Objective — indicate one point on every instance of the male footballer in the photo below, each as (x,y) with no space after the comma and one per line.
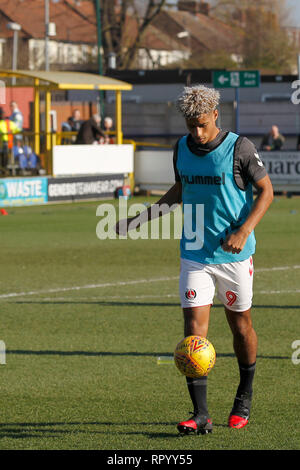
(216,170)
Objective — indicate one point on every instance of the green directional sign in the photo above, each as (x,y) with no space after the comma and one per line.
(237,79)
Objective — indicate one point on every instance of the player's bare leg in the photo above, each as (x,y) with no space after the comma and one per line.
(196,321)
(244,336)
(245,348)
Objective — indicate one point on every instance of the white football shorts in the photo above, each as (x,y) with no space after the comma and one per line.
(232,281)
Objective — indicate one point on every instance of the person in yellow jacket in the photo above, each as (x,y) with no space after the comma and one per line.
(7,130)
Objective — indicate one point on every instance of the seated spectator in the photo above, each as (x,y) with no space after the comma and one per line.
(104,140)
(72,124)
(66,127)
(75,121)
(108,125)
(25,157)
(90,131)
(273,140)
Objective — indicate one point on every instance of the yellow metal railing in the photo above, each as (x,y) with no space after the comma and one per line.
(69,137)
(147,144)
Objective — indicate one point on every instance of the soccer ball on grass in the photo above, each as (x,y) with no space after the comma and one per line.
(195,356)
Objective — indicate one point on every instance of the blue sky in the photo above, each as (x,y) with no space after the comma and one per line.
(294,6)
(294,9)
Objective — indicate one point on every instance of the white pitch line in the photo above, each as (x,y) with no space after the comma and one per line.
(128,283)
(277,268)
(108,299)
(289,291)
(88,286)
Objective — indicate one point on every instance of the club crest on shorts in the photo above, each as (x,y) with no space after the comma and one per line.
(190,294)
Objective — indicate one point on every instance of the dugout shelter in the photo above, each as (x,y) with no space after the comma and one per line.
(47,82)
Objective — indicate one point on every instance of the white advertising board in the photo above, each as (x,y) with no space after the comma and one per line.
(72,160)
(283,169)
(154,169)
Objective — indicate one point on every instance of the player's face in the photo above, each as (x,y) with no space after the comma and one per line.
(203,129)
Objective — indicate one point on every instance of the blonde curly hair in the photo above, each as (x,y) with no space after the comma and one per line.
(197,100)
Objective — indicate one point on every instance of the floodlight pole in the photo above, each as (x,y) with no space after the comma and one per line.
(99,50)
(15,54)
(99,36)
(15,27)
(47,35)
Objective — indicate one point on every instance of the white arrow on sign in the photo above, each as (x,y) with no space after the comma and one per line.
(222,79)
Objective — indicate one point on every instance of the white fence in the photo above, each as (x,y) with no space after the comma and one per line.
(72,160)
(154,169)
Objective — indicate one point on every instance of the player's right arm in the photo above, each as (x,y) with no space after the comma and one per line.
(163,206)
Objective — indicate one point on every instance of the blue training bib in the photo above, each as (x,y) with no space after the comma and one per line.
(213,204)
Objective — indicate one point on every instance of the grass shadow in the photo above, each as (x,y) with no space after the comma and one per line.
(117,354)
(134,304)
(43,429)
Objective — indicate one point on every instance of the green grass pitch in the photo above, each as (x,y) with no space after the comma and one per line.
(84,320)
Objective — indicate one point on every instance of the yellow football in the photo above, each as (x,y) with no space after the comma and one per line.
(195,356)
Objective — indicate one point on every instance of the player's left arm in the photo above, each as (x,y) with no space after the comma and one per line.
(236,241)
(249,169)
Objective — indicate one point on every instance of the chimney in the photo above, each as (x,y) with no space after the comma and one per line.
(240,17)
(191,6)
(204,8)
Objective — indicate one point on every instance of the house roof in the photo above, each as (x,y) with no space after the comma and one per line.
(76,23)
(73,23)
(152,38)
(206,33)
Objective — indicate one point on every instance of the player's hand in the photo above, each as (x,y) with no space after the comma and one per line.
(235,242)
(123,226)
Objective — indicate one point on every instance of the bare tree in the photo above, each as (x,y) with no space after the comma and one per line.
(264,42)
(123,24)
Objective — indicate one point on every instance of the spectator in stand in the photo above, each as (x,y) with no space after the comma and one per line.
(67,127)
(273,140)
(25,157)
(90,131)
(16,117)
(7,129)
(73,124)
(75,120)
(108,125)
